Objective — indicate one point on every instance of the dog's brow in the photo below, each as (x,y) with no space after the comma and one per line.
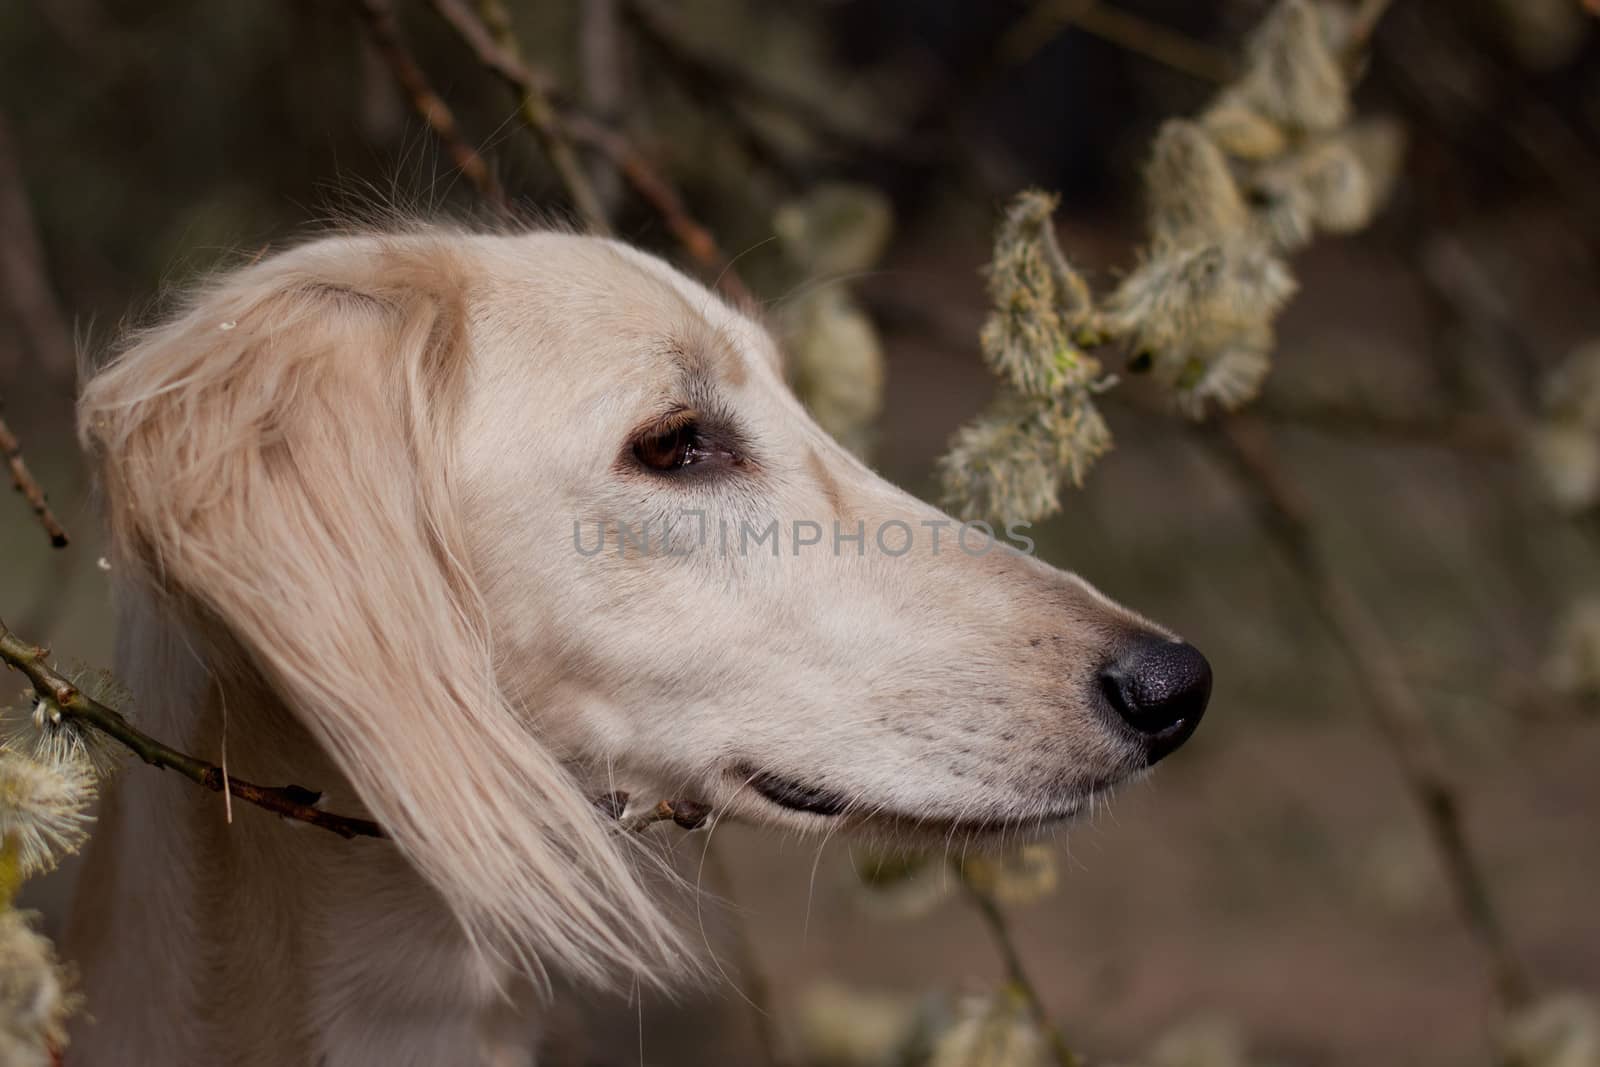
(696,388)
(710,353)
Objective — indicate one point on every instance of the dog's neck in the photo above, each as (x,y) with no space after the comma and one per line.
(205,938)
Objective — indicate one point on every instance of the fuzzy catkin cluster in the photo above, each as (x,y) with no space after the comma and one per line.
(35,995)
(37,729)
(836,366)
(1272,161)
(992,1030)
(1043,427)
(43,813)
(50,769)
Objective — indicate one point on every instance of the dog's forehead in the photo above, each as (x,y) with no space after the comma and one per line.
(722,319)
(596,287)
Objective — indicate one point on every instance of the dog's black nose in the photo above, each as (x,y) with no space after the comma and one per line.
(1160,688)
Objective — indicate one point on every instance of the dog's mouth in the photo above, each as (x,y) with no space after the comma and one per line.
(814,800)
(797,797)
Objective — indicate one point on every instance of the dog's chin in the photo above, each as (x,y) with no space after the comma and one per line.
(793,802)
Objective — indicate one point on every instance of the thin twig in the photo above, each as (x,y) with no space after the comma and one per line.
(1365,23)
(729,100)
(534,108)
(1016,974)
(1128,31)
(1478,433)
(743,82)
(384,31)
(639,173)
(664,199)
(603,64)
(291,801)
(1464,97)
(689,814)
(22,479)
(1391,702)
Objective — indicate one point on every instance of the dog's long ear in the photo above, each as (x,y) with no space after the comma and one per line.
(279,458)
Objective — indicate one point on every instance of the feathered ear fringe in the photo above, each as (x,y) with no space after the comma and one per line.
(278,457)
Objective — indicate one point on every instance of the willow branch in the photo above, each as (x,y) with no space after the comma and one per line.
(1391,702)
(739,81)
(1130,32)
(1365,22)
(689,814)
(663,198)
(534,108)
(603,80)
(290,801)
(22,479)
(994,919)
(1474,433)
(640,174)
(384,32)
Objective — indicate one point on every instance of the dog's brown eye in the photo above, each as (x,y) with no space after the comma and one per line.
(684,443)
(669,450)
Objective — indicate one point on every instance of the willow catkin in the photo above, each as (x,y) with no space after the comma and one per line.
(1009,463)
(1273,161)
(36,728)
(1292,74)
(1191,195)
(35,995)
(44,809)
(836,363)
(1036,296)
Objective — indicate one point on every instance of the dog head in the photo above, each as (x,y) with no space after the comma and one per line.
(698,586)
(505,519)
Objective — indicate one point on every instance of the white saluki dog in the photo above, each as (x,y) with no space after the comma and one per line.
(355,492)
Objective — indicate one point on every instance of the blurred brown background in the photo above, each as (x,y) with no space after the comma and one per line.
(1273,874)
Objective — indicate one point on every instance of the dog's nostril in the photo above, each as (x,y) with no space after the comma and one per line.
(1160,688)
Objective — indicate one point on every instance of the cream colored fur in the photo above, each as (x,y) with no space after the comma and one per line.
(342,487)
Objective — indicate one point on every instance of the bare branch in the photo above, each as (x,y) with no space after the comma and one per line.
(603,59)
(538,114)
(22,479)
(384,32)
(1365,24)
(1016,974)
(1468,432)
(738,81)
(637,170)
(1133,33)
(653,187)
(1391,702)
(290,801)
(689,814)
